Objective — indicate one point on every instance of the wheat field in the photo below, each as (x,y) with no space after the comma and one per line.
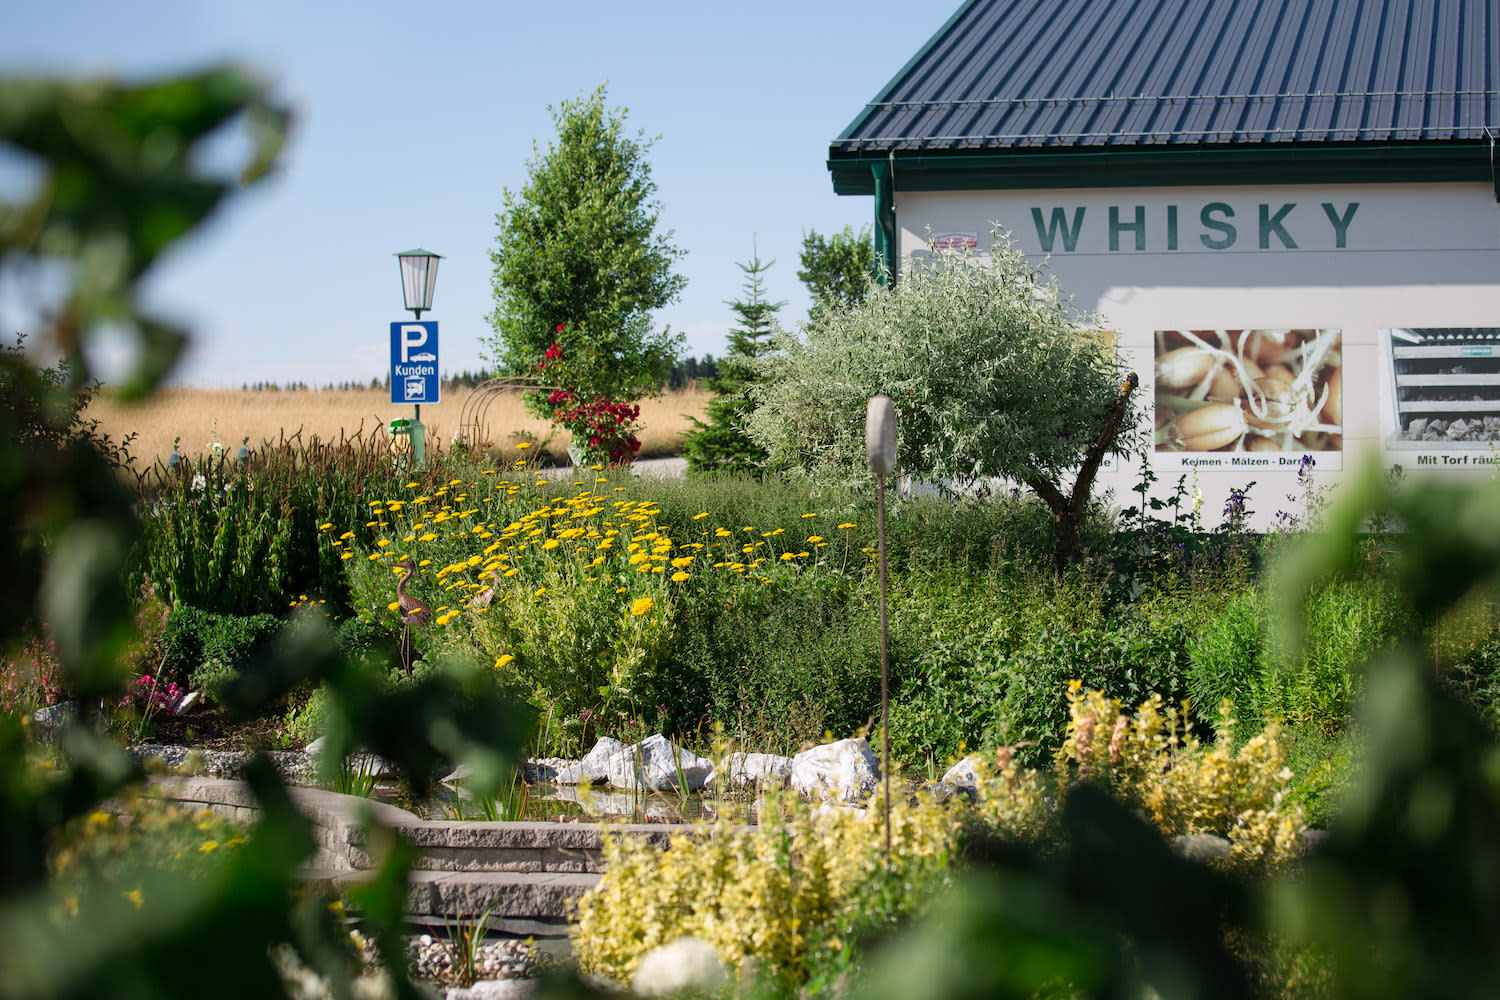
(195,419)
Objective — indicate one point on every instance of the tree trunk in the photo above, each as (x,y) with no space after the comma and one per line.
(1068,511)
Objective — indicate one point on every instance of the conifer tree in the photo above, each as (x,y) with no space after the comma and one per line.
(721,445)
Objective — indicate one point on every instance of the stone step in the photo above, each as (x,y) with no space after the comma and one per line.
(538,898)
(576,848)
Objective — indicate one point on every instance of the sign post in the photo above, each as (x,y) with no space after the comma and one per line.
(414,373)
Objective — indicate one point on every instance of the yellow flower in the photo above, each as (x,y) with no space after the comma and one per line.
(814,514)
(134,895)
(699,517)
(502,660)
(722,533)
(551,543)
(325,525)
(814,538)
(383,542)
(680,576)
(393,606)
(520,446)
(682,562)
(539,592)
(620,590)
(426,538)
(445,619)
(641,605)
(208,846)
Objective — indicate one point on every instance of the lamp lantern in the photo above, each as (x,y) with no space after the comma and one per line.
(418,278)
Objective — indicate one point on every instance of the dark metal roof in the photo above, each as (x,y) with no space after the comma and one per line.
(1154,75)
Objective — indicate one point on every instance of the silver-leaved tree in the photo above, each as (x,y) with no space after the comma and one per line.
(993,373)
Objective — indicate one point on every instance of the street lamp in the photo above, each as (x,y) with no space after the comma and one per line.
(418,281)
(418,278)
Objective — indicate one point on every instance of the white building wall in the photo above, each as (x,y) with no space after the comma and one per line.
(1358,259)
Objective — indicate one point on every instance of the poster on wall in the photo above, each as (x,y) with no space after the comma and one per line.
(1248,398)
(1443,385)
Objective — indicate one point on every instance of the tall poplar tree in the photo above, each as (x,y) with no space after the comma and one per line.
(721,445)
(580,259)
(837,269)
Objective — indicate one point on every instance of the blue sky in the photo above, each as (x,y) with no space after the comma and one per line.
(412,118)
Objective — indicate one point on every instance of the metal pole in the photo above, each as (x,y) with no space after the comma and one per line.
(880,448)
(885,673)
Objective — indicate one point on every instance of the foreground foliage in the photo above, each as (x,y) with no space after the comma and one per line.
(121,181)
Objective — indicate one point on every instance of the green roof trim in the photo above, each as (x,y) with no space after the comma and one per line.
(1110,167)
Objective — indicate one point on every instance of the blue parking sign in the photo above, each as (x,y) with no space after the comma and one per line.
(414,362)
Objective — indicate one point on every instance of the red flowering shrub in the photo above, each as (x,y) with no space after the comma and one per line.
(604,428)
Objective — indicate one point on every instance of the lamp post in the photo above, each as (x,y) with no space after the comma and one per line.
(418,282)
(418,278)
(880,448)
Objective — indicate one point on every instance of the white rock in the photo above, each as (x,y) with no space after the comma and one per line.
(760,769)
(496,989)
(546,769)
(186,702)
(315,747)
(570,774)
(845,771)
(658,764)
(56,716)
(964,774)
(685,964)
(591,770)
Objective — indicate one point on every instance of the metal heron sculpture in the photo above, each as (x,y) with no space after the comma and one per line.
(413,611)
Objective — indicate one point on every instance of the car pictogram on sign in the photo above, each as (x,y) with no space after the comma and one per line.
(424,356)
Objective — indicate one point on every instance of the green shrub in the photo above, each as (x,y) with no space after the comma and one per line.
(1322,766)
(239,537)
(193,637)
(786,665)
(1141,653)
(1226,657)
(947,700)
(1345,623)
(307,719)
(211,677)
(362,635)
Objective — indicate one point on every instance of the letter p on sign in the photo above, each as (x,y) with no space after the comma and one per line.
(413,335)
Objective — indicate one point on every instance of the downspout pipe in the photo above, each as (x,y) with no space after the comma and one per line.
(885,223)
(1494,177)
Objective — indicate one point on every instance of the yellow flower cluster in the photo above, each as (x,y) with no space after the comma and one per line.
(1154,760)
(522,531)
